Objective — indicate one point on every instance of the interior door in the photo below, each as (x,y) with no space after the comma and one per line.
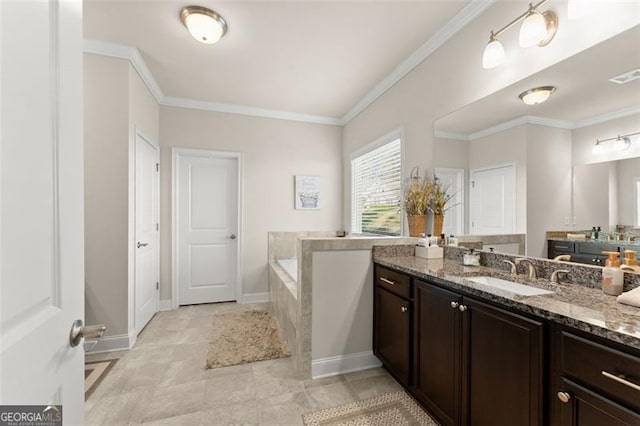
(493,201)
(207,226)
(147,229)
(453,181)
(41,175)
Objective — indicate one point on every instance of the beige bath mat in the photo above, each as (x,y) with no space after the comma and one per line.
(391,409)
(242,337)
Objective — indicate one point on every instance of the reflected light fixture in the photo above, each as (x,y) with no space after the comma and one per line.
(619,143)
(538,28)
(537,95)
(203,24)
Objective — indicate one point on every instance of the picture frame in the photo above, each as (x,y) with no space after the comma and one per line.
(307,192)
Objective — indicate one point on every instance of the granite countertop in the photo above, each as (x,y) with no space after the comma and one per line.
(632,244)
(577,306)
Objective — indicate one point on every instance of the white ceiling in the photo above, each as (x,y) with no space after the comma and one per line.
(318,58)
(583,91)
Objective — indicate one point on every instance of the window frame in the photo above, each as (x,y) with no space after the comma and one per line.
(636,213)
(381,141)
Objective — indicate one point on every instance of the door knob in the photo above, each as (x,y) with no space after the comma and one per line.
(78,331)
(403,309)
(454,305)
(564,397)
(142,244)
(232,236)
(462,308)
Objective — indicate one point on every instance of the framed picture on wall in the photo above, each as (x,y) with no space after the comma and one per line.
(307,192)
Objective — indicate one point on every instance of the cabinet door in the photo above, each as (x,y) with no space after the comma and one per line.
(392,327)
(586,408)
(502,367)
(437,348)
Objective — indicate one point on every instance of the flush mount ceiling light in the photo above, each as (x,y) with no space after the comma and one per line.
(537,29)
(537,95)
(203,24)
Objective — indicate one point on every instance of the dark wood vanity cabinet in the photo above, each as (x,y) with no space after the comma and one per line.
(587,252)
(595,383)
(475,364)
(392,322)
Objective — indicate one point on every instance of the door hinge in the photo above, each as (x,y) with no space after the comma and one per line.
(157,226)
(473,224)
(157,285)
(473,184)
(157,167)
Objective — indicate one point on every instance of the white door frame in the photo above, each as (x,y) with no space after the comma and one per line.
(458,197)
(176,152)
(515,192)
(141,134)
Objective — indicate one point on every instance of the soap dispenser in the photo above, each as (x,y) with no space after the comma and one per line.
(612,275)
(629,262)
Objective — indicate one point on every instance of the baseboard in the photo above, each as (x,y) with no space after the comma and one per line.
(166,305)
(119,342)
(255,297)
(332,366)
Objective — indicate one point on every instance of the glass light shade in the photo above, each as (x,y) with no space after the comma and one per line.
(493,54)
(204,28)
(598,149)
(621,144)
(537,95)
(533,29)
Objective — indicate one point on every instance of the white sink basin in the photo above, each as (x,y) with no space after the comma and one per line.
(511,287)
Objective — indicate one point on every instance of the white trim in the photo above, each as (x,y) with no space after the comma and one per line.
(132,54)
(254,298)
(332,366)
(397,133)
(542,121)
(459,195)
(462,18)
(175,153)
(515,193)
(166,305)
(118,342)
(248,110)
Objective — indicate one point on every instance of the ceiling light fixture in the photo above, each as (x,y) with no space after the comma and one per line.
(203,24)
(537,29)
(537,95)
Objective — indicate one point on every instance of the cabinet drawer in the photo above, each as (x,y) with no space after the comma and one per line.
(595,248)
(393,281)
(562,246)
(614,373)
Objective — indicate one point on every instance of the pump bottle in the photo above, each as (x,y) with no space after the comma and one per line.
(612,275)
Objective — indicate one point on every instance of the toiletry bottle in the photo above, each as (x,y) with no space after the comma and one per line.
(593,233)
(598,231)
(612,275)
(453,241)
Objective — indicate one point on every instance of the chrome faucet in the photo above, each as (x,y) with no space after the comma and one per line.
(513,266)
(629,237)
(532,269)
(563,257)
(555,276)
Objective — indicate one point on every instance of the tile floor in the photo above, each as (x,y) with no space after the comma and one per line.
(162,381)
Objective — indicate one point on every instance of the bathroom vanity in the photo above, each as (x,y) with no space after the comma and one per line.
(587,251)
(473,353)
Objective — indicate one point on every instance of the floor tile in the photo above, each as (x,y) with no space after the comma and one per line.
(229,390)
(191,419)
(175,401)
(374,386)
(363,374)
(245,413)
(313,383)
(284,409)
(331,395)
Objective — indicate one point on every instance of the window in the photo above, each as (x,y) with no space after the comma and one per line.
(376,189)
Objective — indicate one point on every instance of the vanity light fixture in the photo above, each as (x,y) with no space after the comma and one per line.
(620,143)
(537,95)
(538,28)
(203,24)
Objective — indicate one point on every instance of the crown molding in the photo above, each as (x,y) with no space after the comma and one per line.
(606,117)
(462,19)
(451,135)
(246,110)
(133,55)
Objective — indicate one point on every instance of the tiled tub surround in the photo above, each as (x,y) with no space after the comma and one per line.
(340,328)
(579,304)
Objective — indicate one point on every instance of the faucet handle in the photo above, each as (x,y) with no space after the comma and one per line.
(555,275)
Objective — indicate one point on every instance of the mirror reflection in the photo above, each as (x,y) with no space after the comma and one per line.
(536,169)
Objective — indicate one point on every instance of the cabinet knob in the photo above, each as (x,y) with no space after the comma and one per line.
(454,305)
(403,309)
(462,308)
(564,397)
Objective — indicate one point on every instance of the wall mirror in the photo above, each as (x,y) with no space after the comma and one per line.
(547,150)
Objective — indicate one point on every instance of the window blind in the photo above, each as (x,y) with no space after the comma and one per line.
(376,191)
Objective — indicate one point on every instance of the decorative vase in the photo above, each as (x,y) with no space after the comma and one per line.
(416,224)
(438,221)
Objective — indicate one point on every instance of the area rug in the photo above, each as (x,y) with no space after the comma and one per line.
(242,337)
(94,373)
(391,409)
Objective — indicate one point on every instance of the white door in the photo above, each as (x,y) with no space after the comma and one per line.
(147,228)
(41,199)
(493,201)
(453,180)
(206,203)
